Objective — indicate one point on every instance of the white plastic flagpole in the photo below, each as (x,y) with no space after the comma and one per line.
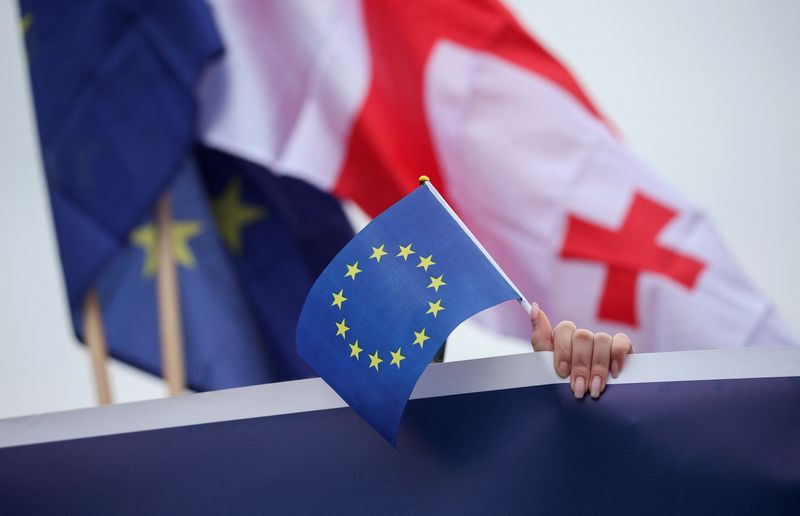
(523,301)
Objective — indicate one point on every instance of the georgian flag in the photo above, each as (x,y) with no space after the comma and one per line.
(360,98)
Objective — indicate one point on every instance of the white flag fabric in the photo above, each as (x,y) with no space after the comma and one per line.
(361,98)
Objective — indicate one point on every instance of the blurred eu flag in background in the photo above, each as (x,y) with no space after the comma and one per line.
(114,87)
(387,302)
(278,233)
(113,82)
(222,347)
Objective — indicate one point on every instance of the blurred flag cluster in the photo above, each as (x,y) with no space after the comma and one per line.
(260,116)
(117,116)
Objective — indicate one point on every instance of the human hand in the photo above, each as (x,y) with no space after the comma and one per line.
(580,354)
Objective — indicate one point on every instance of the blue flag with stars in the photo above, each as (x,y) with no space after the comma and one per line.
(114,86)
(386,303)
(222,345)
(113,83)
(247,246)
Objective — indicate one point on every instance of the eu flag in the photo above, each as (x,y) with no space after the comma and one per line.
(279,233)
(386,303)
(113,82)
(247,245)
(222,345)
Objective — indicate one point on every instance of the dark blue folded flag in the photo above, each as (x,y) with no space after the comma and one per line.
(113,83)
(114,86)
(385,305)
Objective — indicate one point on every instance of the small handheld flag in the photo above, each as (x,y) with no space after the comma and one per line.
(386,303)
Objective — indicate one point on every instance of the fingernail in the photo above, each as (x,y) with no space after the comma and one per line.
(614,368)
(563,368)
(596,387)
(584,337)
(535,312)
(580,387)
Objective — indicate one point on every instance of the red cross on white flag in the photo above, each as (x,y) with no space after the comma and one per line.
(361,98)
(627,253)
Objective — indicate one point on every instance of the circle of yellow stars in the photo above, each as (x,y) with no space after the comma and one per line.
(434,307)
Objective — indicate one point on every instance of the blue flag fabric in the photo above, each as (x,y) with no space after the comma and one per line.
(247,246)
(385,305)
(279,234)
(222,345)
(116,111)
(113,83)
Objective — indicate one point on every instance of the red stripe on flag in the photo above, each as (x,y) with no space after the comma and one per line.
(390,145)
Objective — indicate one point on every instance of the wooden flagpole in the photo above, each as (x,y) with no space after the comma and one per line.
(95,337)
(169,307)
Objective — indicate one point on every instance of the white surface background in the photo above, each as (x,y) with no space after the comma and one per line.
(706,92)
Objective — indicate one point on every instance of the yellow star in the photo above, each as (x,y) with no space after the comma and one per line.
(396,357)
(180,233)
(352,270)
(341,329)
(378,253)
(405,252)
(374,360)
(420,338)
(27,20)
(436,283)
(338,298)
(355,350)
(232,215)
(434,308)
(426,262)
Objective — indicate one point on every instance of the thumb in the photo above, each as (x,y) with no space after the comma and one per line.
(542,335)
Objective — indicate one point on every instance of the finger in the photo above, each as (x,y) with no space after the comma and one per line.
(601,355)
(542,335)
(620,347)
(562,347)
(581,361)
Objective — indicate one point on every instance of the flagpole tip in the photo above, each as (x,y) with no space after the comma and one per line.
(423,179)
